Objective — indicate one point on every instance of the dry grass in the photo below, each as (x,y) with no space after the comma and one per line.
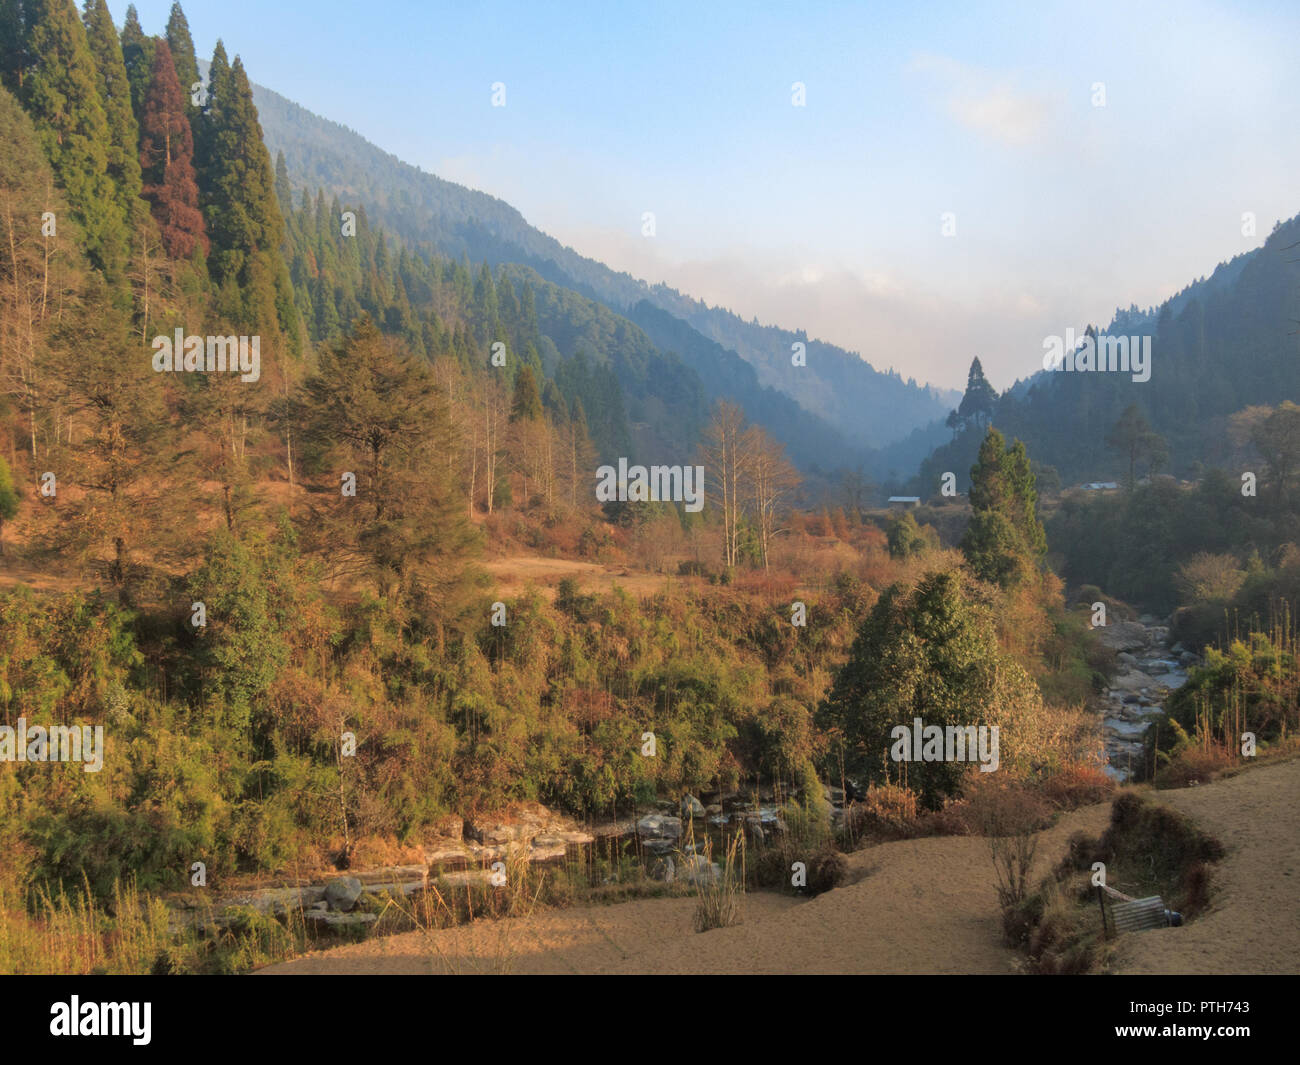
(718,897)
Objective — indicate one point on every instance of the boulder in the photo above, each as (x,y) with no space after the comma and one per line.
(1122,636)
(659,826)
(692,807)
(342,893)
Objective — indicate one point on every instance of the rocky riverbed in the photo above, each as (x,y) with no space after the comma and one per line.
(1149,669)
(672,838)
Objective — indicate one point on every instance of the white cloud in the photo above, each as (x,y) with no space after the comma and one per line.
(989,103)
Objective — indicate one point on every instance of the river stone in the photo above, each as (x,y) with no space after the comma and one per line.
(342,893)
(692,807)
(1122,636)
(659,826)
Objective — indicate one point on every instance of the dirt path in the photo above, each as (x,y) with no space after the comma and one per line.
(915,906)
(1254,921)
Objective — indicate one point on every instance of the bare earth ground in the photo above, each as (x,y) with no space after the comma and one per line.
(915,906)
(1254,921)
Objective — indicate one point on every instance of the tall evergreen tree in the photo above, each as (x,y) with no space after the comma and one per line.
(240,209)
(137,57)
(167,161)
(181,45)
(61,93)
(115,92)
(979,400)
(1004,540)
(527,402)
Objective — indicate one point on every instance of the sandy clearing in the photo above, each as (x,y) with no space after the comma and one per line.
(1253,925)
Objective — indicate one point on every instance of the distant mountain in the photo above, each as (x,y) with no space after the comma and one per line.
(1223,343)
(867,408)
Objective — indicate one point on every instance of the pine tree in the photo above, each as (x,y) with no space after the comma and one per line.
(237,195)
(115,92)
(382,413)
(979,400)
(527,403)
(283,190)
(1005,539)
(166,160)
(61,93)
(181,45)
(137,57)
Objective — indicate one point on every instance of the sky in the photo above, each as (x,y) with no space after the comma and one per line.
(1081,156)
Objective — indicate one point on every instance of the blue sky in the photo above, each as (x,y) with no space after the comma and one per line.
(828,217)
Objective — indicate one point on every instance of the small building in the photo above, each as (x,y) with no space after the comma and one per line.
(904,501)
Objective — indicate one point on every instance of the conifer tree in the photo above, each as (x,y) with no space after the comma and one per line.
(167,161)
(115,92)
(1005,538)
(383,415)
(527,402)
(61,93)
(137,57)
(181,45)
(979,400)
(237,195)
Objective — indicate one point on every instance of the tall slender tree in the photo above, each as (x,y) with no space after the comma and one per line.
(115,92)
(167,162)
(181,45)
(137,57)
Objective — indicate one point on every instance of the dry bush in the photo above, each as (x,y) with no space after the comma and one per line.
(1011,817)
(889,811)
(1076,785)
(1208,578)
(1196,765)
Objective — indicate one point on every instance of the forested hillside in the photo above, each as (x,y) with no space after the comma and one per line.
(868,407)
(1223,344)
